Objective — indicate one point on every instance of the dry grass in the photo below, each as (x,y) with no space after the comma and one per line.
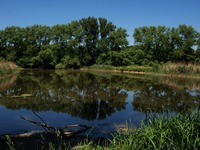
(7,67)
(180,68)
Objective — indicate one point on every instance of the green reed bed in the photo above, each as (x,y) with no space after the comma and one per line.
(7,67)
(161,133)
(134,68)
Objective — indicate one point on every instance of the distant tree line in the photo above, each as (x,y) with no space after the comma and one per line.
(96,41)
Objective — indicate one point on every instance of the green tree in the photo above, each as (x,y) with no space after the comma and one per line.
(60,37)
(105,29)
(164,44)
(90,39)
(188,37)
(118,39)
(45,59)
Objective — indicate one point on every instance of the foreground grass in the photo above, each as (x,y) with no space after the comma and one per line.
(7,67)
(161,133)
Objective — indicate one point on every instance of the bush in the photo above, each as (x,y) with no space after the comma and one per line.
(44,59)
(69,62)
(59,66)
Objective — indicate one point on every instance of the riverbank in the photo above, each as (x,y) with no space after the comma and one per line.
(170,69)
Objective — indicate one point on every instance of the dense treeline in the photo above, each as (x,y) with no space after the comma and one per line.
(96,41)
(76,44)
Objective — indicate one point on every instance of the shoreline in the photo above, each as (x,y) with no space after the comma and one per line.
(143,73)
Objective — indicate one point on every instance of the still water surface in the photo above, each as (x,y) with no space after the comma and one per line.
(63,98)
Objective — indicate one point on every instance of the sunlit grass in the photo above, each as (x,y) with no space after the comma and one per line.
(161,133)
(134,68)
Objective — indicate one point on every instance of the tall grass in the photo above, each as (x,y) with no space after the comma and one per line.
(136,68)
(7,67)
(125,68)
(161,133)
(101,67)
(180,68)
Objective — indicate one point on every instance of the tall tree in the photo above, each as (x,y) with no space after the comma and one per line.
(90,39)
(118,39)
(188,39)
(105,29)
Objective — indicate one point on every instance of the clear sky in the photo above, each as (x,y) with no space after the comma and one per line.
(127,14)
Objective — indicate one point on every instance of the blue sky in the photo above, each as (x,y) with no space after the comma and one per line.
(128,14)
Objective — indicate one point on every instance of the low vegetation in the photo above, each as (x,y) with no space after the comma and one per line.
(180,68)
(162,132)
(186,69)
(7,67)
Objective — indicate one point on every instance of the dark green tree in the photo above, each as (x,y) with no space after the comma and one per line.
(90,39)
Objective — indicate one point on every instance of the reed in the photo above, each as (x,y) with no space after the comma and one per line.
(180,68)
(7,67)
(136,68)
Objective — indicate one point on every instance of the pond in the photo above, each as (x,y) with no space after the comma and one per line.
(63,98)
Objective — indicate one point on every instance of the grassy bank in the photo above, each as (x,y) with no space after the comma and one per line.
(176,132)
(180,68)
(176,69)
(122,69)
(164,132)
(7,67)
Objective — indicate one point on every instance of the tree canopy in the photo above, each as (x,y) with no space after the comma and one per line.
(92,40)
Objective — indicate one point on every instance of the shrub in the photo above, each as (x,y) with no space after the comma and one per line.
(69,62)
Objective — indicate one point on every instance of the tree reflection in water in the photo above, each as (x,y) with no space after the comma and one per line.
(80,94)
(178,95)
(94,96)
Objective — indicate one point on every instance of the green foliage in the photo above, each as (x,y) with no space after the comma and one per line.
(96,40)
(10,143)
(69,62)
(44,46)
(126,57)
(60,66)
(45,59)
(162,132)
(167,44)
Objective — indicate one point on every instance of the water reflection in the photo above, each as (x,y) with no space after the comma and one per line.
(157,98)
(95,96)
(80,94)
